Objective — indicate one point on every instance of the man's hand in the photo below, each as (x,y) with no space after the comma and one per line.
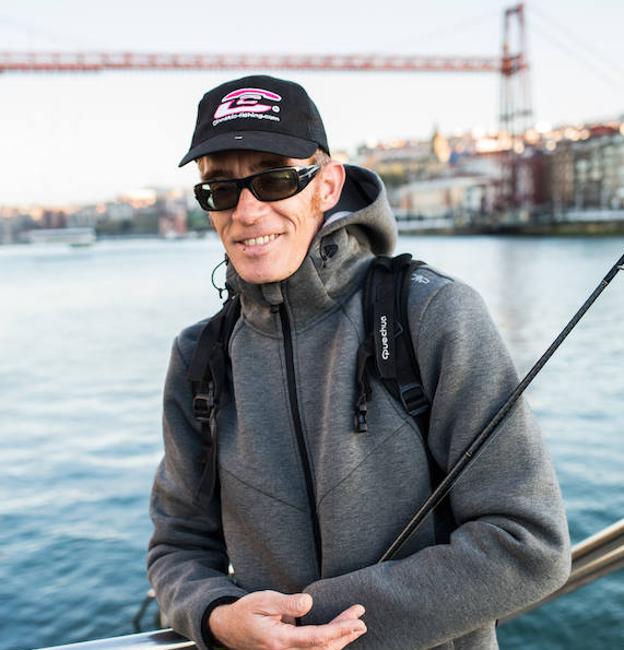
(264,620)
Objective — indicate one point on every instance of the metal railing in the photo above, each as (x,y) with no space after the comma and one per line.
(157,640)
(597,556)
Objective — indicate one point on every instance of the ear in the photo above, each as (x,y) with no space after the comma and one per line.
(332,178)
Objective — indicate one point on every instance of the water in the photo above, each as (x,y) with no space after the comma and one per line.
(84,344)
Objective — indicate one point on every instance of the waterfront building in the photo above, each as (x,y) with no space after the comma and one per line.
(447,202)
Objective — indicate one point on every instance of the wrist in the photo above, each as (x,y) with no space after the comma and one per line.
(210,625)
(215,622)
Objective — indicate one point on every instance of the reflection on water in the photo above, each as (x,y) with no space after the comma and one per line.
(84,343)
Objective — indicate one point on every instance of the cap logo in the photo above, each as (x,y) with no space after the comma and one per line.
(247,102)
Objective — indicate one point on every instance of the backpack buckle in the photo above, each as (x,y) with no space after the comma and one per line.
(203,405)
(361,424)
(413,398)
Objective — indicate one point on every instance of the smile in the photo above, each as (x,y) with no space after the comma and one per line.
(259,241)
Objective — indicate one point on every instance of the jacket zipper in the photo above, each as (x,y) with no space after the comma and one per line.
(301,443)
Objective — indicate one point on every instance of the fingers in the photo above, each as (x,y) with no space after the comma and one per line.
(274,603)
(353,612)
(342,642)
(268,616)
(332,636)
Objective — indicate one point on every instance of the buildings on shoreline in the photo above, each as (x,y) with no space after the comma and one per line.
(143,212)
(567,179)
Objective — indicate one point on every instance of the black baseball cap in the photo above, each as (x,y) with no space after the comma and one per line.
(259,113)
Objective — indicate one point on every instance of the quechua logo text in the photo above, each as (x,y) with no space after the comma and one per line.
(255,103)
(383,333)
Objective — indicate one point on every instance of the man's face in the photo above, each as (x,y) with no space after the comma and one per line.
(265,241)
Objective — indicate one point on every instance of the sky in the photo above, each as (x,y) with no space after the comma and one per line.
(88,137)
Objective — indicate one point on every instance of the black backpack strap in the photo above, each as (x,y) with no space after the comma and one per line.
(208,375)
(387,350)
(388,340)
(410,388)
(412,393)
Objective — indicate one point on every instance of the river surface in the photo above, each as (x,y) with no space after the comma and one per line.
(84,343)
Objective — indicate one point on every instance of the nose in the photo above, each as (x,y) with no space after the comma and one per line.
(248,209)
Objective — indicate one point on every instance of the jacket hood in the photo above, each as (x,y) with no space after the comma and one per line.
(364,204)
(360,226)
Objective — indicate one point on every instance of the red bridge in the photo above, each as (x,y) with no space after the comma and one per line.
(106,61)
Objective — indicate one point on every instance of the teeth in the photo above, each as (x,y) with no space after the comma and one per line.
(258,241)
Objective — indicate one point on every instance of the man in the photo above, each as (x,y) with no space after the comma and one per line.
(299,504)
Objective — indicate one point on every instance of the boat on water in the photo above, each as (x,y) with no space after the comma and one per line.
(74,237)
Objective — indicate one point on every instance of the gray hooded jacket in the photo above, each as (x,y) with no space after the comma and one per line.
(306,504)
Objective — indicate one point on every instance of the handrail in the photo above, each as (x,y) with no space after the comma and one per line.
(597,556)
(593,558)
(157,640)
(606,536)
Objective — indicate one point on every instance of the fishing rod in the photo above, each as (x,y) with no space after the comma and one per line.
(488,434)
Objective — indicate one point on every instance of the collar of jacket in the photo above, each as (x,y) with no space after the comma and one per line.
(335,264)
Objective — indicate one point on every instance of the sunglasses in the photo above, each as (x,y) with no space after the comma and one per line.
(270,185)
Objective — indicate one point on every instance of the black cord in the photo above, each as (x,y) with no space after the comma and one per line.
(212,280)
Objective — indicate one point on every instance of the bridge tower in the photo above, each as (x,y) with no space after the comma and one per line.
(516,115)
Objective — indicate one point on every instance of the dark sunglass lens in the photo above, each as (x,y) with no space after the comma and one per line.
(202,194)
(223,195)
(275,185)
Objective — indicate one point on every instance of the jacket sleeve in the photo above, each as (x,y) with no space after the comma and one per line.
(511,546)
(187,560)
